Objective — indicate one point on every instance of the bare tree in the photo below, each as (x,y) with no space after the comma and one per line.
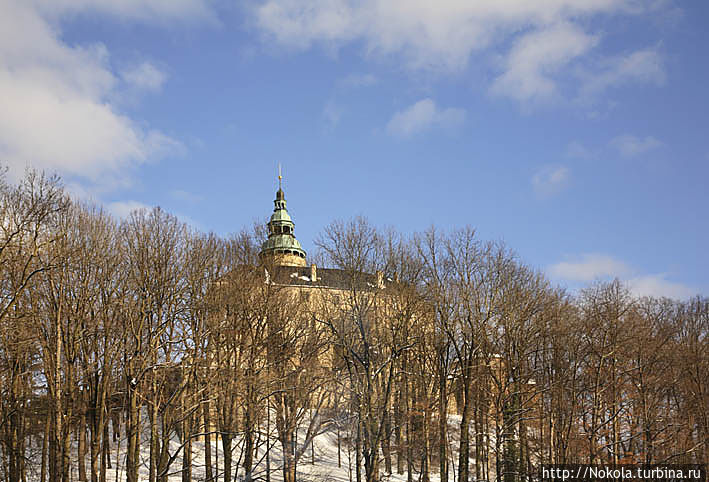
(605,309)
(237,348)
(369,341)
(144,317)
(30,225)
(692,361)
(299,375)
(154,253)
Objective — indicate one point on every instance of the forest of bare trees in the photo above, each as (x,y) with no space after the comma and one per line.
(147,336)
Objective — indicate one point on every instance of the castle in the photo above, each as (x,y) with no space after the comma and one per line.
(285,257)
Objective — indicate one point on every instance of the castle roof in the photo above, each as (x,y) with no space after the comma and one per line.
(331,278)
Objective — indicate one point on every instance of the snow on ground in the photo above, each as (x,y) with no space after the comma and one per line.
(325,467)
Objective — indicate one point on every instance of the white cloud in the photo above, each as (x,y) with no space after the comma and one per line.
(643,66)
(589,267)
(547,38)
(550,180)
(153,11)
(145,76)
(658,286)
(631,146)
(422,115)
(440,34)
(538,55)
(122,209)
(56,111)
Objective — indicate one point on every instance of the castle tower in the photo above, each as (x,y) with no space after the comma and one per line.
(281,247)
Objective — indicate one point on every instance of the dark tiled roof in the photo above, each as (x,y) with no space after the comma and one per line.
(326,278)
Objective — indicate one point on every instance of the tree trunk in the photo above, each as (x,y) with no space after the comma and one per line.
(509,443)
(163,445)
(248,442)
(153,421)
(105,455)
(464,450)
(187,452)
(133,433)
(207,442)
(13,470)
(442,423)
(66,431)
(95,442)
(398,440)
(289,463)
(386,442)
(45,450)
(358,452)
(57,457)
(81,429)
(226,448)
(426,452)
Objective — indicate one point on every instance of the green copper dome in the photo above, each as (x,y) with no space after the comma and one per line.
(281,216)
(281,238)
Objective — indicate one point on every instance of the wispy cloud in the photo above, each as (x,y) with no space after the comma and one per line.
(145,76)
(159,12)
(550,46)
(658,285)
(630,146)
(429,36)
(642,66)
(530,65)
(594,266)
(550,180)
(122,209)
(589,267)
(423,115)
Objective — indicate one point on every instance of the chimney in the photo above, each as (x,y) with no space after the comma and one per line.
(313,273)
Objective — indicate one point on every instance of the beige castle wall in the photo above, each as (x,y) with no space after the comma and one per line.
(288,260)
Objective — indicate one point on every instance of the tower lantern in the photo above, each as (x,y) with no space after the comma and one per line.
(281,247)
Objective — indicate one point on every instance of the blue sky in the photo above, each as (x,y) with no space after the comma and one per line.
(574,130)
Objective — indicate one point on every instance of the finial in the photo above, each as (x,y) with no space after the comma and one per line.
(279,175)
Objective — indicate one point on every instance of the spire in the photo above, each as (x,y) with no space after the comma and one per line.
(280,196)
(281,245)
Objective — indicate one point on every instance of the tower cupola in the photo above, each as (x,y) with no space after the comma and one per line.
(281,247)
